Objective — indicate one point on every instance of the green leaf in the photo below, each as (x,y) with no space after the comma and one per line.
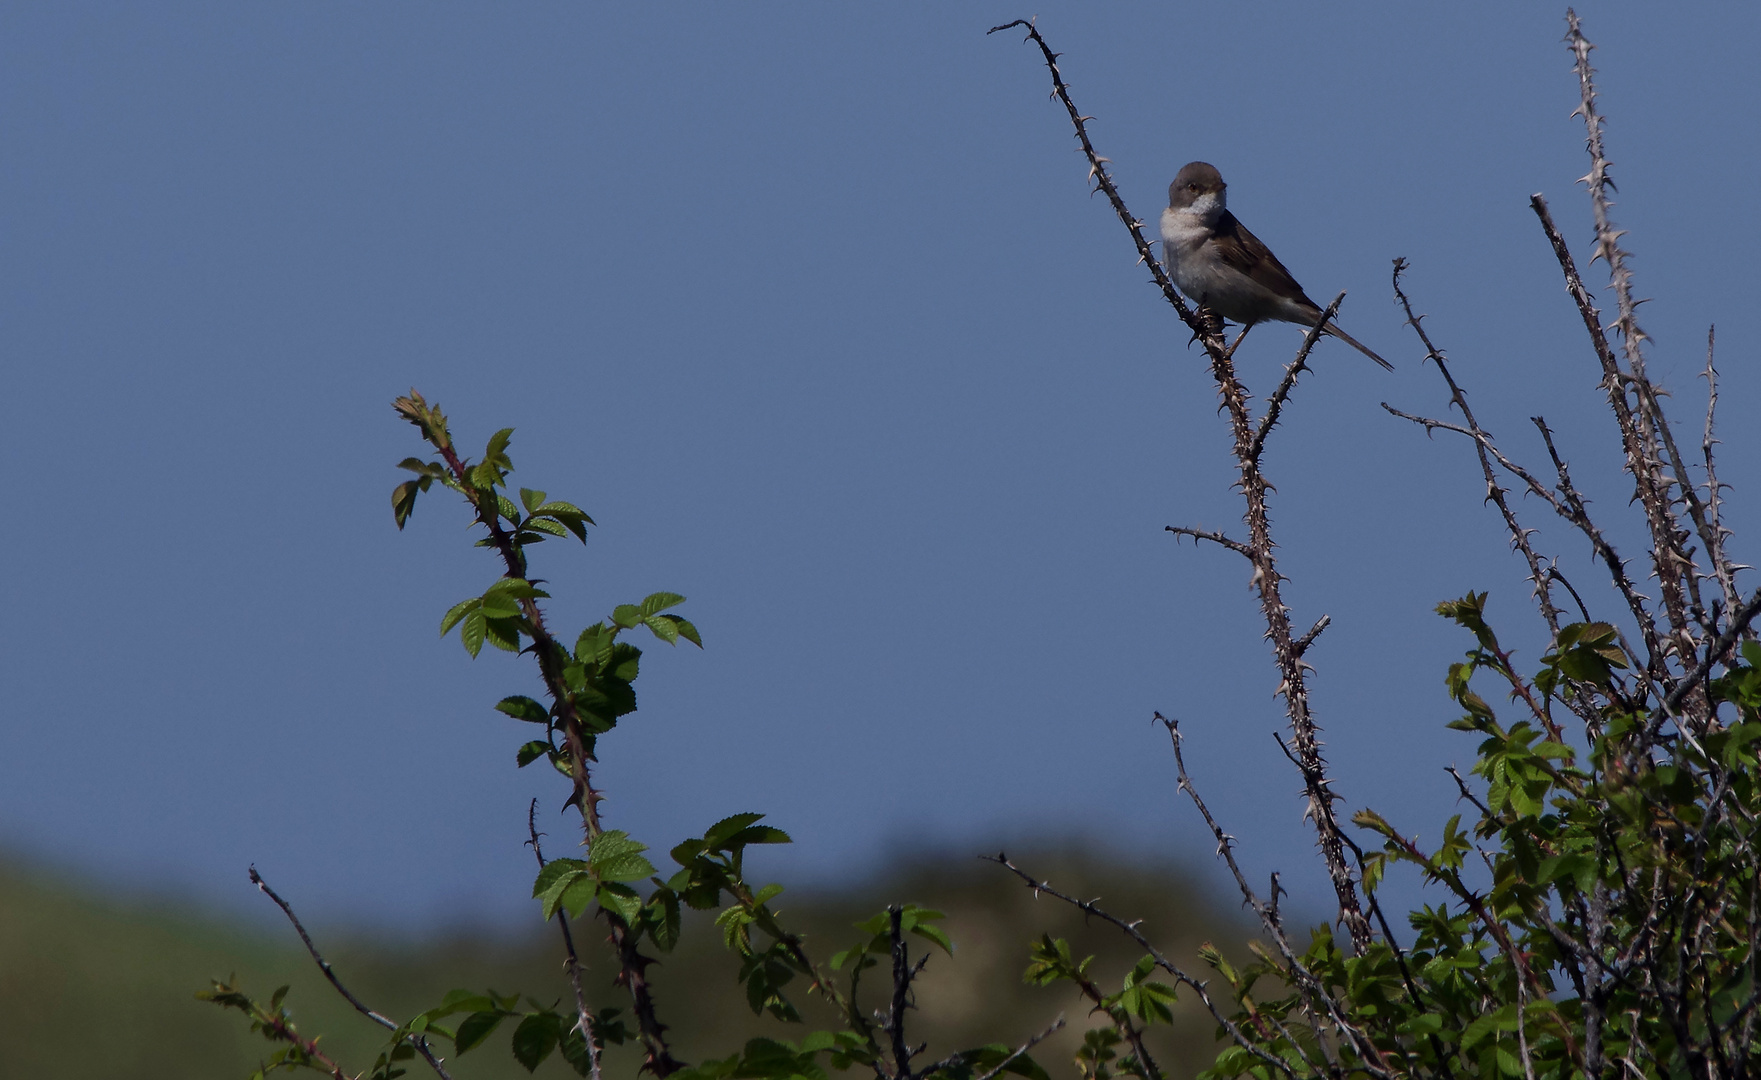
(576,894)
(523,708)
(615,857)
(688,851)
(564,884)
(455,613)
(531,752)
(719,833)
(530,499)
(626,615)
(570,515)
(658,602)
(595,644)
(472,632)
(515,589)
(403,499)
(935,934)
(545,525)
(620,899)
(563,509)
(665,921)
(495,453)
(504,634)
(433,470)
(553,872)
(1146,1000)
(476,1027)
(499,605)
(756,834)
(534,1039)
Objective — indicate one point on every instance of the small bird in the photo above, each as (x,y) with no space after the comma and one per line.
(1215,261)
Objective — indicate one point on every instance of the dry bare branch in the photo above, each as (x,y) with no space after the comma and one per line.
(417,1042)
(1248,438)
(1644,428)
(1275,403)
(1519,536)
(1214,537)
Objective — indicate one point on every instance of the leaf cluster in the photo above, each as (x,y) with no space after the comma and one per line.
(1600,906)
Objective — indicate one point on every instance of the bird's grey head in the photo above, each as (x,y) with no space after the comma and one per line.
(1198,186)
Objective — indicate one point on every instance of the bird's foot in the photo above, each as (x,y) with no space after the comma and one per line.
(1229,353)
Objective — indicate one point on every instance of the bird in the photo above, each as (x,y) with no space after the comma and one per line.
(1216,262)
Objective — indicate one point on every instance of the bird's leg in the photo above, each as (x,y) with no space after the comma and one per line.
(1229,354)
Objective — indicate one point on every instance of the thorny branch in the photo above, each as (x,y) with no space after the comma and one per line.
(1303,643)
(417,1042)
(1714,534)
(1275,403)
(1645,457)
(1130,929)
(552,658)
(1249,438)
(901,1000)
(1519,536)
(1567,505)
(572,963)
(1214,537)
(1716,653)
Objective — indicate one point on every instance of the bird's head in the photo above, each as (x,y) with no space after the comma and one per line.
(1198,189)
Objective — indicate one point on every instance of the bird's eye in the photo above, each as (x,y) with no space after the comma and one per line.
(1192,187)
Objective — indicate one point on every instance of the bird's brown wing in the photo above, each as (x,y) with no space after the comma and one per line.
(1245,252)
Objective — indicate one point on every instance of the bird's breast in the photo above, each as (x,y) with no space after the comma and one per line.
(1184,237)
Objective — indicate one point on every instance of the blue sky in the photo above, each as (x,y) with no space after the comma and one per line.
(810,308)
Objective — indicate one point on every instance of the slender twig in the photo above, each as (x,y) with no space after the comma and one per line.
(1738,626)
(1715,534)
(572,963)
(1554,575)
(417,1042)
(993,1073)
(1275,403)
(1468,794)
(1214,537)
(1317,998)
(1303,643)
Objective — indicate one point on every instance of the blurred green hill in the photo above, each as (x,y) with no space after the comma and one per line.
(100,986)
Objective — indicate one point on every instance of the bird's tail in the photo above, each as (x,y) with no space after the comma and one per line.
(1333,329)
